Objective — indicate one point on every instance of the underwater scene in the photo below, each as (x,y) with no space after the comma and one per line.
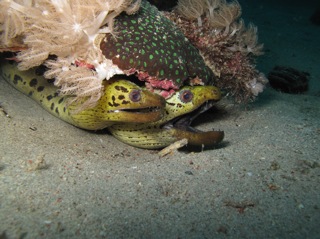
(159,119)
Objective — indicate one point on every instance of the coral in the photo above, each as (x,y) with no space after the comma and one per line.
(67,29)
(152,48)
(229,47)
(219,13)
(81,33)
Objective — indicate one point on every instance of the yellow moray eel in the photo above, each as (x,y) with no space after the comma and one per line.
(181,109)
(122,101)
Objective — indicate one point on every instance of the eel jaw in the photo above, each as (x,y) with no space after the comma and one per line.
(180,128)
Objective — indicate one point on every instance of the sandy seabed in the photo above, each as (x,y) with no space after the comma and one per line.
(263,181)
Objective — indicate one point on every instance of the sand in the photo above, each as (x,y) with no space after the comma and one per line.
(57,181)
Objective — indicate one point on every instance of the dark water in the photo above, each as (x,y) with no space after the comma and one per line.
(289,36)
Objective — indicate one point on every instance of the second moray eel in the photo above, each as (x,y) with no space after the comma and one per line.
(181,109)
(122,101)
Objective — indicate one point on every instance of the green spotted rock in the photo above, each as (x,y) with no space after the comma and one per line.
(152,47)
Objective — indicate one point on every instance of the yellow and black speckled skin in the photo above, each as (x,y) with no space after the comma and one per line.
(154,135)
(114,106)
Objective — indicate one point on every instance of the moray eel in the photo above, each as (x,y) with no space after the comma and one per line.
(122,101)
(181,109)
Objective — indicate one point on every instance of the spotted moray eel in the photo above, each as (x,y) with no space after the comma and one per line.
(122,100)
(181,109)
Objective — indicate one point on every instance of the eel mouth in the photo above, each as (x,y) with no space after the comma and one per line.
(149,110)
(145,110)
(181,128)
(143,113)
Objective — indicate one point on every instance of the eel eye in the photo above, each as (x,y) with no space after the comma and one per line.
(186,96)
(135,95)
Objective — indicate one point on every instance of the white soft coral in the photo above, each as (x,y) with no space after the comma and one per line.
(59,27)
(68,29)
